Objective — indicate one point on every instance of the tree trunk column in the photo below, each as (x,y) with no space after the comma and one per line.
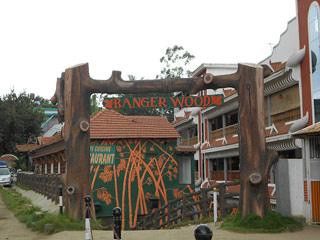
(253,195)
(77,138)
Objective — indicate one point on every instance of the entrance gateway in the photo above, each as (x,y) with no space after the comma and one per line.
(72,95)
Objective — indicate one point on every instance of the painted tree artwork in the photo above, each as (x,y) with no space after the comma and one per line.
(141,169)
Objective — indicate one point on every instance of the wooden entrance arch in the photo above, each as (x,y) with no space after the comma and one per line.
(72,95)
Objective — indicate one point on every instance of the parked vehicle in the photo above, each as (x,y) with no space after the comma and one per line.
(3,164)
(5,177)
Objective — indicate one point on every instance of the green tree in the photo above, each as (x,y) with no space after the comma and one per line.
(94,103)
(174,65)
(20,119)
(175,62)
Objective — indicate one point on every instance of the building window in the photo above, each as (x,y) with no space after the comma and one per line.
(314,48)
(234,163)
(232,118)
(216,123)
(185,171)
(218,164)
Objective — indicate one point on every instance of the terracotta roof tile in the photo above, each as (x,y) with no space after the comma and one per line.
(277,66)
(229,92)
(26,147)
(182,119)
(108,124)
(49,140)
(308,131)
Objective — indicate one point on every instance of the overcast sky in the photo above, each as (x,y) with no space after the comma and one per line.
(39,39)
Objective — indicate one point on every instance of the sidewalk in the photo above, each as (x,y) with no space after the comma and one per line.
(186,233)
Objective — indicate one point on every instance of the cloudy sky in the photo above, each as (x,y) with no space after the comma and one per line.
(39,39)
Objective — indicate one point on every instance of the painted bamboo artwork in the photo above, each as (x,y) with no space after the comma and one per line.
(127,173)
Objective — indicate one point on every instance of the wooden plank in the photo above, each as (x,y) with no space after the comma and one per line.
(315,201)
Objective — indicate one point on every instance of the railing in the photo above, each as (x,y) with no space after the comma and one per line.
(219,175)
(214,135)
(47,185)
(231,130)
(288,116)
(190,206)
(188,141)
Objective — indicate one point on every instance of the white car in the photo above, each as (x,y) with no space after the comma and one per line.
(5,177)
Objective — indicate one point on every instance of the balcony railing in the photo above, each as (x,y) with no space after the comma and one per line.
(219,175)
(214,135)
(231,130)
(287,116)
(188,141)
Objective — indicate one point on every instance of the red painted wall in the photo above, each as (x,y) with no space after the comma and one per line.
(303,9)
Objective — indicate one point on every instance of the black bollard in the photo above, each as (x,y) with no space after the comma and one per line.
(203,232)
(87,225)
(60,200)
(116,212)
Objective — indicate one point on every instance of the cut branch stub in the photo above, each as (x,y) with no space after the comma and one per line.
(255,178)
(208,78)
(84,126)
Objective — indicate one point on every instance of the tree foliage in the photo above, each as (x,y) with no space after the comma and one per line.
(174,63)
(21,117)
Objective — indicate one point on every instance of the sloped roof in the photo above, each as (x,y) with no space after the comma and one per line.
(182,119)
(48,140)
(8,157)
(277,66)
(108,124)
(308,131)
(26,147)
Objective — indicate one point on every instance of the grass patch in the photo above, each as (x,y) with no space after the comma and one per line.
(36,219)
(273,222)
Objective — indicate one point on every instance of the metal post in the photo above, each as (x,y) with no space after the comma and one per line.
(116,212)
(215,205)
(88,232)
(60,200)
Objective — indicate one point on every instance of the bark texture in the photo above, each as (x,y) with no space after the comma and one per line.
(253,156)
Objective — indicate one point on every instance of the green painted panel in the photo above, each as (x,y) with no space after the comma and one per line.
(141,169)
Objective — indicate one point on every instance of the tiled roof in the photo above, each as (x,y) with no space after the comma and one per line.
(49,140)
(108,124)
(26,147)
(8,157)
(229,92)
(182,119)
(277,66)
(308,131)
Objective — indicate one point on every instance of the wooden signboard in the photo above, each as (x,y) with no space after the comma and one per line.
(163,102)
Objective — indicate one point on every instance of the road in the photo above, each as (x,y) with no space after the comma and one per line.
(12,229)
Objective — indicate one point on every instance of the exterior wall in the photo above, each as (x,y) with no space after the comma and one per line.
(139,170)
(285,100)
(288,44)
(303,9)
(289,187)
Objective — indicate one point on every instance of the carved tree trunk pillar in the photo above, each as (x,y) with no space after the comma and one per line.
(253,180)
(77,138)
